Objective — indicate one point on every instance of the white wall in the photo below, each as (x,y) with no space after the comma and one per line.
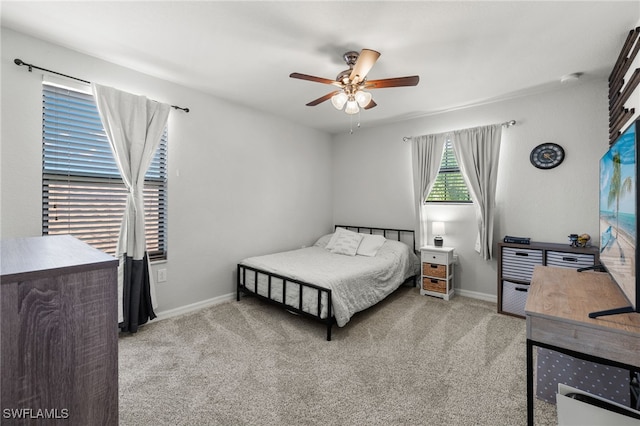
(373,184)
(241,182)
(251,183)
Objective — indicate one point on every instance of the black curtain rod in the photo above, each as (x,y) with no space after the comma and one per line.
(20,62)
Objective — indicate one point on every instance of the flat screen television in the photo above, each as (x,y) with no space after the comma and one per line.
(619,199)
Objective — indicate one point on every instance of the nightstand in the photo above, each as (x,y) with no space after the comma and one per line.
(437,271)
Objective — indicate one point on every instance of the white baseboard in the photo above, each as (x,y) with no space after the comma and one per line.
(477,295)
(194,306)
(161,315)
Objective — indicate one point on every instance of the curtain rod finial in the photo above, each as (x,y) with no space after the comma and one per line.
(20,62)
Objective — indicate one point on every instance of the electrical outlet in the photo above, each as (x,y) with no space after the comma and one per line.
(162,275)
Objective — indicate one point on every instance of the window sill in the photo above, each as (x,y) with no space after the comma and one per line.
(440,203)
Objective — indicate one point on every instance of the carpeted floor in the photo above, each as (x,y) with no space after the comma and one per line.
(410,360)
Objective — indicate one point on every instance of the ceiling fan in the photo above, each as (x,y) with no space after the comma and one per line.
(353,82)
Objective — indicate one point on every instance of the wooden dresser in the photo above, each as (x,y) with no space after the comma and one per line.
(58,333)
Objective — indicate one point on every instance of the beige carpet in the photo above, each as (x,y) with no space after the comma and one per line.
(410,360)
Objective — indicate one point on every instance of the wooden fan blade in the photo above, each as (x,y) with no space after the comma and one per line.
(393,82)
(363,65)
(371,104)
(323,98)
(312,78)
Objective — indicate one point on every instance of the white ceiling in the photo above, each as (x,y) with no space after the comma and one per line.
(465,53)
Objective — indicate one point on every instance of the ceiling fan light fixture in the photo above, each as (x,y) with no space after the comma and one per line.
(363,98)
(350,95)
(352,107)
(339,99)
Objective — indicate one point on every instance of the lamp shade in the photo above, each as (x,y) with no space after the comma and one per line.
(352,107)
(339,99)
(437,228)
(363,98)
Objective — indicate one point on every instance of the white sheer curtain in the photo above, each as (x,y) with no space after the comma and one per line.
(426,153)
(477,151)
(134,126)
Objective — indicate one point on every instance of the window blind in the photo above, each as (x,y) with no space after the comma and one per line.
(82,191)
(449,186)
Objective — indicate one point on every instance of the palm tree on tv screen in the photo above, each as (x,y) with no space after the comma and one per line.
(616,188)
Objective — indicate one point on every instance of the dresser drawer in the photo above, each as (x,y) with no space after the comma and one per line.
(518,263)
(434,270)
(569,260)
(432,284)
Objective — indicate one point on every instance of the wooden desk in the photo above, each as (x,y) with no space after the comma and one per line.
(557,310)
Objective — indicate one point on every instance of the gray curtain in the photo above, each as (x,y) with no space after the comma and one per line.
(426,154)
(134,126)
(477,151)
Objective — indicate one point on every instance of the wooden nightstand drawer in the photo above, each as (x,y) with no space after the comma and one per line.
(434,270)
(439,258)
(432,284)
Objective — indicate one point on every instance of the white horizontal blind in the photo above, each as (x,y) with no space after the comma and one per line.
(82,191)
(449,186)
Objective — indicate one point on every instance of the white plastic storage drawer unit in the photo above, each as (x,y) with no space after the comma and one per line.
(516,263)
(514,297)
(569,260)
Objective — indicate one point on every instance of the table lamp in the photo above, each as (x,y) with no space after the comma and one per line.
(437,229)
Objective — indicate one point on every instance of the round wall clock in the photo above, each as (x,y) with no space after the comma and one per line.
(547,155)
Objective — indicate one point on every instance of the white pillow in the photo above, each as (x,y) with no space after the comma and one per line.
(346,242)
(334,238)
(370,245)
(323,241)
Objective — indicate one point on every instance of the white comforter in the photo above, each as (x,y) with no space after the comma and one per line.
(356,282)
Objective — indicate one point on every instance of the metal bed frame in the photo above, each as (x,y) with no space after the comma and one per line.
(329,320)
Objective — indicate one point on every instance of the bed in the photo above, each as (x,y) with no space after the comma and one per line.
(344,272)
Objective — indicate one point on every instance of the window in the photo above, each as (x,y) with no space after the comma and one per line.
(82,191)
(449,186)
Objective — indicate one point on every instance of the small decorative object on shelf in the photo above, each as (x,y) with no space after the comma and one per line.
(581,240)
(517,240)
(573,240)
